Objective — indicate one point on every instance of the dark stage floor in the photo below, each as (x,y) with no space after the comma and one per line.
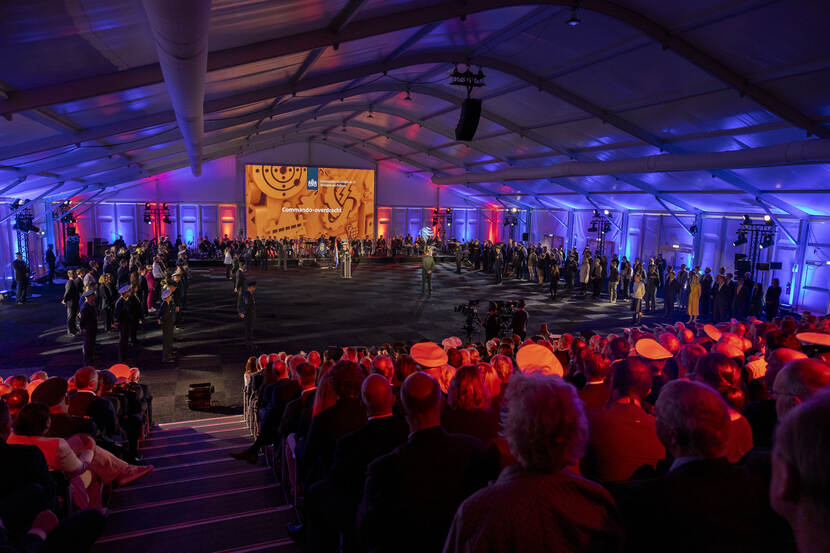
(302,308)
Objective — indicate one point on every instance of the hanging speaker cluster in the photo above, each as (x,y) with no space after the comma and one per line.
(471,107)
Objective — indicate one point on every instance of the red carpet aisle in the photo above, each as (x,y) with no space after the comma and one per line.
(198,500)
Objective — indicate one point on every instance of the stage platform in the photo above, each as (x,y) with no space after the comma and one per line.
(301,308)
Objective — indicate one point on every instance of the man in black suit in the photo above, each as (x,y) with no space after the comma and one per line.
(330,504)
(420,484)
(71,299)
(703,503)
(706,292)
(26,487)
(297,415)
(85,403)
(53,394)
(345,416)
(671,291)
(88,322)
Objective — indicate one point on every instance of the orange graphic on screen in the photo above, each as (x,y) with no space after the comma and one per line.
(294,201)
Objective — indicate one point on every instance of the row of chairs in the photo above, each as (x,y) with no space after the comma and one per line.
(281,457)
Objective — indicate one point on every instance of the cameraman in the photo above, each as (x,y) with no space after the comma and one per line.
(492,324)
(520,320)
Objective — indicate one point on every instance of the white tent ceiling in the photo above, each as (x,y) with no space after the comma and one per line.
(85,104)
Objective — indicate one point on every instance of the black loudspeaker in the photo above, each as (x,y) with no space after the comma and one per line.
(743,266)
(762,266)
(468,122)
(525,237)
(775,265)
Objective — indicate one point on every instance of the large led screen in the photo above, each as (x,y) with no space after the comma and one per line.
(293,201)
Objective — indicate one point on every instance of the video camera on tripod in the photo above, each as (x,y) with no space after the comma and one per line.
(471,322)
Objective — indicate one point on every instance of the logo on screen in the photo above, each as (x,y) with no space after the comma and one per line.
(311,178)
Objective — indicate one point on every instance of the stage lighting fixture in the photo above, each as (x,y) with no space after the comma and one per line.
(164,206)
(693,229)
(767,218)
(166,220)
(675,246)
(747,220)
(596,213)
(574,20)
(741,239)
(17,203)
(513,210)
(606,212)
(606,227)
(436,211)
(147,218)
(592,228)
(147,205)
(767,242)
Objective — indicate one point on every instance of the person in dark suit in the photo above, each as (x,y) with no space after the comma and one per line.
(721,300)
(89,326)
(296,417)
(21,277)
(71,299)
(247,310)
(53,393)
(706,282)
(50,258)
(772,299)
(799,488)
(671,291)
(86,403)
(596,391)
(330,504)
(328,426)
(421,483)
(519,322)
(26,487)
(123,321)
(703,503)
(239,283)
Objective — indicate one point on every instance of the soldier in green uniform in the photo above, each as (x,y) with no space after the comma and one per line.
(427,266)
(167,320)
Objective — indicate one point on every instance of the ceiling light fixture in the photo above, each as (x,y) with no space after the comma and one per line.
(574,20)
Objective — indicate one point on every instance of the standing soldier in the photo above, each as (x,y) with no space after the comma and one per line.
(239,284)
(71,299)
(167,320)
(123,321)
(136,315)
(498,265)
(89,326)
(50,262)
(247,312)
(427,266)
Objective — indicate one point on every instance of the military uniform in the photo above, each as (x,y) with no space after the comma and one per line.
(71,297)
(427,266)
(167,320)
(89,326)
(247,311)
(124,320)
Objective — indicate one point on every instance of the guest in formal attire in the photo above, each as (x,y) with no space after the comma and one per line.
(596,391)
(421,483)
(693,305)
(772,299)
(800,480)
(468,406)
(703,503)
(724,376)
(623,435)
(538,505)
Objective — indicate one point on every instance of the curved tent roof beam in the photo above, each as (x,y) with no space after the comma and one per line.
(396,21)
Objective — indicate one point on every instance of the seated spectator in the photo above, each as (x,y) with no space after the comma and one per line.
(761,414)
(704,503)
(330,504)
(421,483)
(297,415)
(328,426)
(54,393)
(78,457)
(797,382)
(16,400)
(623,436)
(596,391)
(468,407)
(86,403)
(724,376)
(538,505)
(800,479)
